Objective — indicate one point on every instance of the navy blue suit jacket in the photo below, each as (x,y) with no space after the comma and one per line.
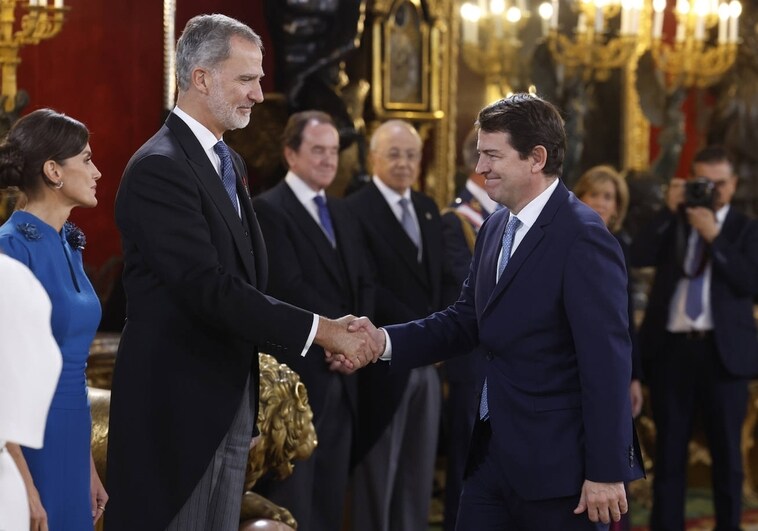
(554,336)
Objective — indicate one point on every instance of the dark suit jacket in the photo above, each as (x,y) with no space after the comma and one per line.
(734,283)
(456,245)
(558,354)
(193,274)
(458,250)
(405,290)
(307,271)
(637,374)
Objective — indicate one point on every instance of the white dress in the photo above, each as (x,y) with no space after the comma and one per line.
(30,364)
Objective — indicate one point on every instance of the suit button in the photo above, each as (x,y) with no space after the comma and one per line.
(490,357)
(246,233)
(251,251)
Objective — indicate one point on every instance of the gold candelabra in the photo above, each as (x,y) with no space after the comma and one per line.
(705,43)
(491,43)
(39,22)
(605,36)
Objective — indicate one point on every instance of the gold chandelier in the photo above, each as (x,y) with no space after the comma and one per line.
(704,45)
(39,20)
(605,36)
(491,42)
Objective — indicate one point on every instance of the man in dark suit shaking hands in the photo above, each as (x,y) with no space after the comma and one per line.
(545,300)
(185,386)
(699,334)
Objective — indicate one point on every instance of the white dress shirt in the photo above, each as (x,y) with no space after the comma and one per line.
(679,321)
(528,216)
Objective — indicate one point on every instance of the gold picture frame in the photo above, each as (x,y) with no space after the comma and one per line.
(405,50)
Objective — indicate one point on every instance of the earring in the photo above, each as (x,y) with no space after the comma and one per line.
(58,185)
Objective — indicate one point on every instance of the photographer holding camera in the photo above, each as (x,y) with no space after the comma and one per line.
(699,335)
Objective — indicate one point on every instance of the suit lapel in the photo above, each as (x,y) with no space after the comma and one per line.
(341,221)
(530,242)
(211,182)
(393,232)
(312,230)
(430,245)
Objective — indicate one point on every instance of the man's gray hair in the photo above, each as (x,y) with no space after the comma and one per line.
(205,42)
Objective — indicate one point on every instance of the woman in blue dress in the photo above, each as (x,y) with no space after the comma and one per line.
(47,156)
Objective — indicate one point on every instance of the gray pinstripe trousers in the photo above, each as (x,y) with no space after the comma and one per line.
(214,504)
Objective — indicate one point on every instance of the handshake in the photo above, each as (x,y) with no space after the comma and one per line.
(349,342)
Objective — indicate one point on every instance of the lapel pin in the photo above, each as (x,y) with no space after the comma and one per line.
(428,216)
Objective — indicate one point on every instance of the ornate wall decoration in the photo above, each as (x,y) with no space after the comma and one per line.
(414,58)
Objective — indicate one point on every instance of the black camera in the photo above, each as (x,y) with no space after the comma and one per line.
(698,192)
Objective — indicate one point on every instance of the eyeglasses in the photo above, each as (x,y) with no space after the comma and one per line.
(396,155)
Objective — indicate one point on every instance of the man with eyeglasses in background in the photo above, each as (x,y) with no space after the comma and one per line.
(399,412)
(699,334)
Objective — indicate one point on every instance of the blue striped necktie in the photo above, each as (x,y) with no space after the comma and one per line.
(508,235)
(693,303)
(325,219)
(228,175)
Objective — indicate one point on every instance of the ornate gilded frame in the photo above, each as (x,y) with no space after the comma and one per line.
(169,54)
(393,56)
(434,113)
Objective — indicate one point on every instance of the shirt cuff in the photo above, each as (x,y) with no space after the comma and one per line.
(311,336)
(387,355)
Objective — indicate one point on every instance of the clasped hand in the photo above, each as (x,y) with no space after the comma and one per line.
(356,344)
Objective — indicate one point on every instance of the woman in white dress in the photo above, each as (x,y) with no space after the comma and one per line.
(30,363)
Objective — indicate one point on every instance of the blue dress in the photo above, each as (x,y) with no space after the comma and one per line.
(61,468)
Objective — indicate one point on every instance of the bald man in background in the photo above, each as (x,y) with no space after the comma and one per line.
(399,412)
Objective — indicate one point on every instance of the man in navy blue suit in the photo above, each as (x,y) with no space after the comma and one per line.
(545,300)
(699,336)
(460,225)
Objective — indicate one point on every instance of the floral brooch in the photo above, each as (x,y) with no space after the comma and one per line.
(74,236)
(29,231)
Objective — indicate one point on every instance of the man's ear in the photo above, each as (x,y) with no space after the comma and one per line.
(539,158)
(289,155)
(199,78)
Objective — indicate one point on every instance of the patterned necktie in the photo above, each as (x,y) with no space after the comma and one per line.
(408,224)
(510,231)
(508,234)
(693,303)
(325,219)
(228,176)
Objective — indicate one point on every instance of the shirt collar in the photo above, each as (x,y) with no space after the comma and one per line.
(302,191)
(532,210)
(202,133)
(721,214)
(390,195)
